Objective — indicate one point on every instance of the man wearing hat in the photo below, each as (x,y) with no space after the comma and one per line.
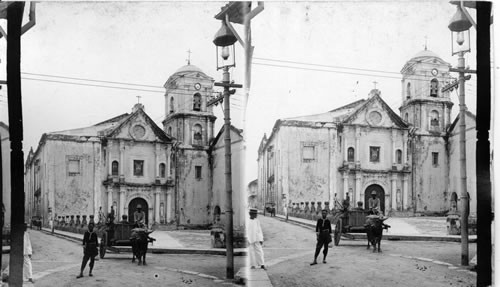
(139,216)
(27,268)
(323,236)
(374,203)
(255,239)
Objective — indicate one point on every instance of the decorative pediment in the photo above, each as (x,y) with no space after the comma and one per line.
(376,113)
(140,127)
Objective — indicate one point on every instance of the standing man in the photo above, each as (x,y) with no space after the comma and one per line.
(27,270)
(89,249)
(255,240)
(111,215)
(374,203)
(323,236)
(139,216)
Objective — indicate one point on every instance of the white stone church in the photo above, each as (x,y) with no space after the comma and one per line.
(174,172)
(410,158)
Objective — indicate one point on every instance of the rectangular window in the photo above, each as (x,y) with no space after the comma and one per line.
(138,167)
(435,158)
(73,167)
(197,171)
(307,153)
(375,154)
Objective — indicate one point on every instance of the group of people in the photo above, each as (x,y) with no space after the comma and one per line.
(323,234)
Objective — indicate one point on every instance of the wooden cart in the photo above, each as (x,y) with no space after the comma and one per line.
(114,235)
(348,221)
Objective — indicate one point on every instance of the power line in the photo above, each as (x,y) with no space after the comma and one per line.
(90,80)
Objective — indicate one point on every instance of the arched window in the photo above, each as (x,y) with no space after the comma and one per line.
(399,156)
(197,136)
(172,164)
(434,87)
(171,104)
(434,119)
(408,90)
(169,131)
(350,154)
(162,170)
(197,102)
(114,168)
(406,117)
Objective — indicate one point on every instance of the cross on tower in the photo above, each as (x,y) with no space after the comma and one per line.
(138,99)
(189,57)
(375,84)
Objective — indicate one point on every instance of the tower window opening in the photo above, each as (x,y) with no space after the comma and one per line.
(408,90)
(197,102)
(434,87)
(197,136)
(171,104)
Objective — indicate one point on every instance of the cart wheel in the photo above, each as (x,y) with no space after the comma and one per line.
(338,231)
(102,246)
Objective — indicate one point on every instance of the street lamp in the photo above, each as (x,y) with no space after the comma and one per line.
(224,43)
(459,27)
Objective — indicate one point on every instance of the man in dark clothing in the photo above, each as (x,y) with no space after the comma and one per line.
(323,231)
(89,249)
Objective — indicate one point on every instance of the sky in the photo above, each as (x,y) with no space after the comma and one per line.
(143,43)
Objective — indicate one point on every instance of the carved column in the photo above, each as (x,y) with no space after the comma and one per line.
(108,150)
(393,192)
(393,146)
(157,204)
(122,156)
(157,162)
(110,198)
(122,200)
(405,192)
(169,205)
(358,189)
(346,185)
(358,135)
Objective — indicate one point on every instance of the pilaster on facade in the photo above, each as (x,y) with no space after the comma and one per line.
(405,191)
(122,162)
(393,147)
(110,198)
(345,177)
(123,191)
(393,192)
(157,193)
(358,139)
(169,205)
(358,187)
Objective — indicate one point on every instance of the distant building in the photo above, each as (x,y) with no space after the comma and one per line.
(411,160)
(128,160)
(5,168)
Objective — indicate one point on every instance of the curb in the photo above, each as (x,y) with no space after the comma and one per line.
(159,250)
(392,237)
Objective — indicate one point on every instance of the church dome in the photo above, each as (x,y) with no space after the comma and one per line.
(426,54)
(188,68)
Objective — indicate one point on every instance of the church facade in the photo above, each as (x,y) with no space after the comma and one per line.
(129,160)
(410,160)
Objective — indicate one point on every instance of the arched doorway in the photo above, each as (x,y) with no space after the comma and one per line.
(132,207)
(380,195)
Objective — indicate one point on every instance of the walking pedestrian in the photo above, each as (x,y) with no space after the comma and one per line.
(255,240)
(89,249)
(28,251)
(323,236)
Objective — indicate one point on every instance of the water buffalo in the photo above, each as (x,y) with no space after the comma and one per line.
(140,239)
(374,227)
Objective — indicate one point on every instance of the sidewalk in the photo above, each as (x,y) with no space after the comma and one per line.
(411,229)
(168,242)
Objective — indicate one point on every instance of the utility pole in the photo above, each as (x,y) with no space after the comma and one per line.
(228,174)
(483,164)
(14,20)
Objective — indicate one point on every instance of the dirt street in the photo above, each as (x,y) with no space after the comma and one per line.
(289,249)
(56,262)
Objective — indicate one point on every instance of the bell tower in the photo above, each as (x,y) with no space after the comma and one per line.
(427,110)
(187,116)
(424,106)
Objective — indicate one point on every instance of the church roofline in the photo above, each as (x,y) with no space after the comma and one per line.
(455,122)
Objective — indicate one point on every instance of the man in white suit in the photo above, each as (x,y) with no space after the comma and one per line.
(255,240)
(27,269)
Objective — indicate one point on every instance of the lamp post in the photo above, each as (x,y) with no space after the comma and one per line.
(224,42)
(460,43)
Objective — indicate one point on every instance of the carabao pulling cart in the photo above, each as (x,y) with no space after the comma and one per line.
(347,221)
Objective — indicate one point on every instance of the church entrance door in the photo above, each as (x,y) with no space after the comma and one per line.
(132,207)
(380,195)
